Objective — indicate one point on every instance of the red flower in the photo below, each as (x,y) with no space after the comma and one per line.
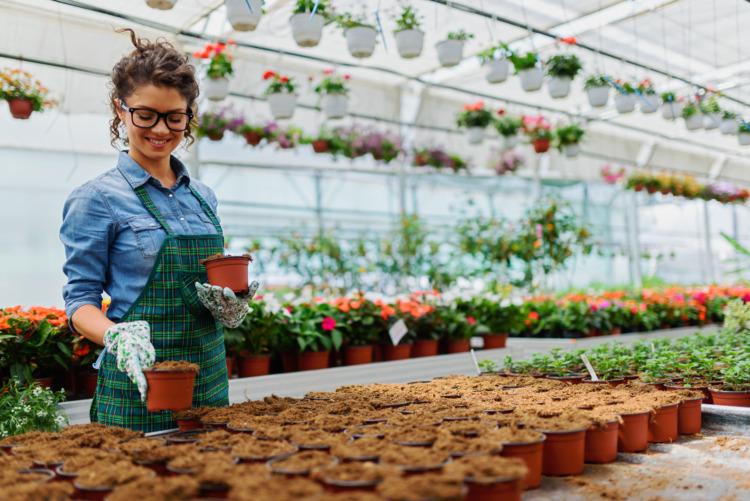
(534,315)
(346,77)
(268,74)
(569,40)
(329,324)
(284,79)
(328,72)
(231,42)
(501,112)
(471,320)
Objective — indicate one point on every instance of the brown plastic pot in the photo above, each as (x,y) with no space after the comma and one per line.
(231,362)
(254,366)
(398,352)
(20,108)
(707,398)
(312,360)
(320,146)
(215,136)
(531,454)
(689,416)
(357,355)
(229,271)
(185,424)
(601,443)
(253,138)
(569,380)
(214,491)
(289,360)
(662,427)
(632,434)
(69,476)
(334,486)
(736,398)
(563,452)
(493,342)
(612,382)
(459,346)
(169,390)
(503,489)
(92,493)
(424,348)
(541,145)
(88,382)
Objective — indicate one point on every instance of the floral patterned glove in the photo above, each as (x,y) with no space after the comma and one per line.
(130,342)
(224,305)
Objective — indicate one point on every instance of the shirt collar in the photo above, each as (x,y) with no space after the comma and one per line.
(136,176)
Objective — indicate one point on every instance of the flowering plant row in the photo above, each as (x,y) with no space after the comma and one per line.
(20,84)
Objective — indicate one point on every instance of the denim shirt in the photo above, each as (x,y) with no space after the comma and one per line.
(111,240)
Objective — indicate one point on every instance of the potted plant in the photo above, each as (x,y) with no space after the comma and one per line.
(508,128)
(383,146)
(285,137)
(257,334)
(505,161)
(625,98)
(280,95)
(362,325)
(170,385)
(217,61)
(409,38)
(597,90)
(213,124)
(709,106)
(314,330)
(333,94)
(650,100)
(30,408)
(475,118)
(361,36)
(450,51)
(539,132)
(244,15)
(228,271)
(562,69)
(306,28)
(743,133)
(323,141)
(161,4)
(24,94)
(528,71)
(568,139)
(728,124)
(496,60)
(253,134)
(435,157)
(671,107)
(736,388)
(693,119)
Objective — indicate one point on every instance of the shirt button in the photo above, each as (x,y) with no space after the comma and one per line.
(171,195)
(182,219)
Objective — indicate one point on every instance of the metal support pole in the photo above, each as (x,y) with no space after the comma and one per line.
(708,262)
(319,200)
(195,163)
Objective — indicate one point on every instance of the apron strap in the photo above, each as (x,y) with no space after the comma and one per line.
(149,204)
(207,210)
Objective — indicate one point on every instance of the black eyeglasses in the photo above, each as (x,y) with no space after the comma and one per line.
(145,119)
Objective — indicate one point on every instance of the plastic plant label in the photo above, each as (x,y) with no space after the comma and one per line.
(397,331)
(589,368)
(476,363)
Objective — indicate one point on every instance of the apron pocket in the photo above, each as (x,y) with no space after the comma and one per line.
(190,295)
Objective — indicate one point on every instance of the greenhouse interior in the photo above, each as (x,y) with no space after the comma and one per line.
(396,250)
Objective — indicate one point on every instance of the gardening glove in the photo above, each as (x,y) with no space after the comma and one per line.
(130,342)
(226,307)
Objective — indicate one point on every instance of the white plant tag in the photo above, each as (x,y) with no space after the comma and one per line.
(653,348)
(397,331)
(589,368)
(476,364)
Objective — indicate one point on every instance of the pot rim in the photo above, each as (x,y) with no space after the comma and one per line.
(225,258)
(715,390)
(526,443)
(631,413)
(560,432)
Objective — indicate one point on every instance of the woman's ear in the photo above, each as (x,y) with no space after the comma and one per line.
(120,111)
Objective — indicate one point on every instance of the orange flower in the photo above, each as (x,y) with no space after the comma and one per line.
(355,305)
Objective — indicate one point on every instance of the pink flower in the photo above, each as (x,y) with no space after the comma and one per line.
(328,72)
(471,320)
(329,324)
(593,307)
(605,304)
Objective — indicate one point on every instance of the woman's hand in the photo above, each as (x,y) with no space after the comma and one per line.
(224,305)
(130,342)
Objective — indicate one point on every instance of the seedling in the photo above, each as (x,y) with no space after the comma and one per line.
(488,366)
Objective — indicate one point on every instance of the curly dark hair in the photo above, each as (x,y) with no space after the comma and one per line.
(156,63)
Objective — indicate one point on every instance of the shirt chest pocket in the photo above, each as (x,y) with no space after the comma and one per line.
(149,235)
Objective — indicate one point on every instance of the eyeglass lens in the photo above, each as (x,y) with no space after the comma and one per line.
(146,118)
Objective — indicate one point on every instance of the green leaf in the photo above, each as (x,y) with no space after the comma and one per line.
(734,243)
(61,346)
(337,338)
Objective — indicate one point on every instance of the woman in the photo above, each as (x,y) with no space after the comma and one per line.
(138,233)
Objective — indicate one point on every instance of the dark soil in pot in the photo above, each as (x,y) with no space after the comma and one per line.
(414,459)
(171,488)
(432,487)
(252,451)
(302,463)
(361,449)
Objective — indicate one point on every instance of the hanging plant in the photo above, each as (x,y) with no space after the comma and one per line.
(244,15)
(280,95)
(693,119)
(527,70)
(568,139)
(436,157)
(285,137)
(625,96)
(672,105)
(361,36)
(306,29)
(409,38)
(561,68)
(333,94)
(539,132)
(508,128)
(475,118)
(450,51)
(213,124)
(496,60)
(503,162)
(216,60)
(23,93)
(597,90)
(650,100)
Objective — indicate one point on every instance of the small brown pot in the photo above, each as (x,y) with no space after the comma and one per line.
(253,138)
(20,108)
(229,271)
(87,382)
(493,342)
(169,390)
(460,346)
(570,380)
(707,398)
(612,382)
(398,352)
(334,486)
(736,398)
(662,427)
(632,434)
(563,452)
(312,360)
(231,362)
(424,348)
(215,136)
(531,454)
(92,493)
(44,382)
(541,145)
(69,476)
(601,443)
(214,491)
(502,490)
(320,146)
(254,366)
(357,355)
(289,360)
(689,416)
(191,423)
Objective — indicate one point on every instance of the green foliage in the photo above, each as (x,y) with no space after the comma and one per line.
(348,20)
(496,52)
(308,325)
(595,81)
(408,18)
(507,125)
(523,62)
(306,6)
(569,134)
(563,65)
(689,110)
(459,35)
(260,329)
(27,407)
(488,366)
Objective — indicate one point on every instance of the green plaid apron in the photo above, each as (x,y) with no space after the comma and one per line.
(181,329)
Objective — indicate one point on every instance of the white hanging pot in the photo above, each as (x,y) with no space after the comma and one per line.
(624,103)
(694,122)
(409,43)
(450,52)
(242,17)
(282,104)
(306,31)
(649,103)
(571,150)
(215,89)
(728,126)
(334,105)
(497,70)
(361,40)
(559,87)
(671,110)
(743,138)
(598,96)
(161,4)
(712,121)
(475,135)
(531,79)
(510,142)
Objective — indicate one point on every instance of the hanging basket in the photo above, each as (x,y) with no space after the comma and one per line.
(531,79)
(649,103)
(282,104)
(598,96)
(497,70)
(541,145)
(510,142)
(624,103)
(571,150)
(161,4)
(20,108)
(244,15)
(215,89)
(711,121)
(409,43)
(334,105)
(306,31)
(728,126)
(694,122)
(559,87)
(475,135)
(361,41)
(743,138)
(450,52)
(671,110)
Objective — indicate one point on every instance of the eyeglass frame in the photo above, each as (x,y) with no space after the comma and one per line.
(159,116)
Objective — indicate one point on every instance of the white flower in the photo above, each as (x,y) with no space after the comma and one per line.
(41,413)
